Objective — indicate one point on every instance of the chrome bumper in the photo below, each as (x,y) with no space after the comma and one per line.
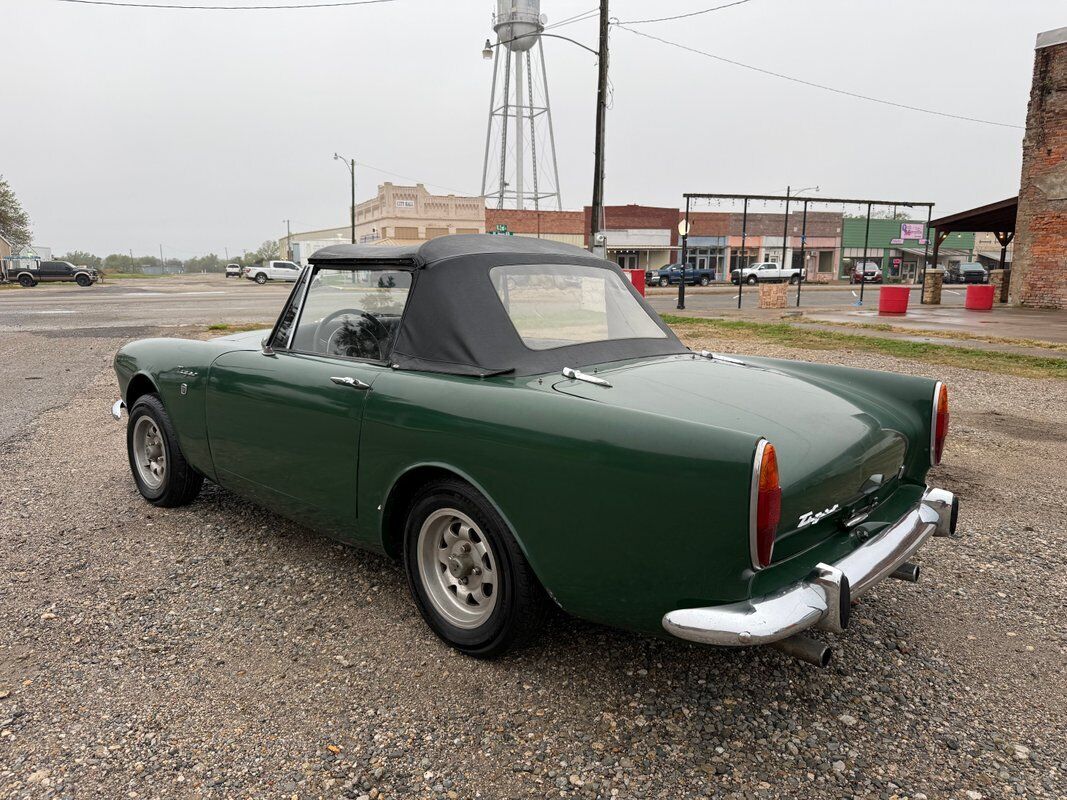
(116,409)
(823,600)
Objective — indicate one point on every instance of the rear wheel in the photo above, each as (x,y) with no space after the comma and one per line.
(794,280)
(27,281)
(261,278)
(704,281)
(163,476)
(466,573)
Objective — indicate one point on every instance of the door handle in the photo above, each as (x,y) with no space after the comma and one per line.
(351,382)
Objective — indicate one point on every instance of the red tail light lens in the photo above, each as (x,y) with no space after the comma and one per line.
(766,505)
(939,423)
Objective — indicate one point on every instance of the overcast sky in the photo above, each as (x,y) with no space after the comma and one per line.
(204,130)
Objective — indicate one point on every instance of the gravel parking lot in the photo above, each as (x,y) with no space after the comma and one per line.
(220,651)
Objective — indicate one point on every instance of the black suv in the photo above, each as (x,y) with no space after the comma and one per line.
(55,272)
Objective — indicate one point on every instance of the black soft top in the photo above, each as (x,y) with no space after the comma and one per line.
(454,321)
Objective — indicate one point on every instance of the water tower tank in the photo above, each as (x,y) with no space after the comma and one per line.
(517,22)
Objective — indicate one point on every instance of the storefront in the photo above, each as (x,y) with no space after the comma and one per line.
(707,252)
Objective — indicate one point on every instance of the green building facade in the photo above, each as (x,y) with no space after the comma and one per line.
(896,247)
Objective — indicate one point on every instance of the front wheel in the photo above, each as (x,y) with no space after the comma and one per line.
(752,280)
(163,476)
(664,282)
(83,280)
(467,575)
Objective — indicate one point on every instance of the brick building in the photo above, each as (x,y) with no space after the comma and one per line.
(1039,269)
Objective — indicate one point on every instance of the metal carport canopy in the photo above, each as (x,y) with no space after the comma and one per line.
(993,217)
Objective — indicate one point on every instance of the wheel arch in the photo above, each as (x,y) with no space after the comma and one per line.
(140,384)
(402,491)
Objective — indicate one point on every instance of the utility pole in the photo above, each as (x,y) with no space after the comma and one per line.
(288,241)
(785,230)
(351,164)
(162,263)
(601,113)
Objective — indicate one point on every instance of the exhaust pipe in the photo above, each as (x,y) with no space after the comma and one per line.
(906,572)
(805,648)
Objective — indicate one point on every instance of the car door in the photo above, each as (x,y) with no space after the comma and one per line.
(52,271)
(284,422)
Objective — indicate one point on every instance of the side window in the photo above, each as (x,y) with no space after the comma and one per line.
(352,313)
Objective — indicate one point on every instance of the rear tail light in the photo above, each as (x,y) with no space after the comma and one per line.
(766,505)
(938,423)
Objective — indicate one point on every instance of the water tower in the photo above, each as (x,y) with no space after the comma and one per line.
(519,170)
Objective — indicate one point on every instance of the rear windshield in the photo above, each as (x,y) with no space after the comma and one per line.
(555,305)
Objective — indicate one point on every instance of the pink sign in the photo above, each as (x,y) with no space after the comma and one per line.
(911,230)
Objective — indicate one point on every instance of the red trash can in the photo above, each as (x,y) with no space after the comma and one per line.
(637,278)
(980,297)
(893,299)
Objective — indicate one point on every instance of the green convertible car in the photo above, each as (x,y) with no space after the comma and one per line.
(491,411)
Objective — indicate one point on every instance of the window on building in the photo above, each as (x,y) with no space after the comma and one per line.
(739,260)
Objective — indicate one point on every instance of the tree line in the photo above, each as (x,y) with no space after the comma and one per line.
(125,263)
(15,227)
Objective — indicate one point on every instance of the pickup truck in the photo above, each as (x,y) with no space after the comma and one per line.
(765,272)
(272,271)
(967,273)
(671,275)
(55,272)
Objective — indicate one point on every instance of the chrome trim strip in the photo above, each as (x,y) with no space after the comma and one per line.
(933,422)
(300,305)
(116,409)
(578,375)
(816,601)
(753,503)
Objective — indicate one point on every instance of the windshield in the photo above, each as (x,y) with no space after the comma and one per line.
(555,305)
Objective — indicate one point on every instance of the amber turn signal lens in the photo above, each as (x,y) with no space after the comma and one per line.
(768,507)
(939,426)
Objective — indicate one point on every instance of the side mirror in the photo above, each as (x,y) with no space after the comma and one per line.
(265,347)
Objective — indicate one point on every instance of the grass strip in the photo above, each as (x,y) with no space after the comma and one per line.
(785,334)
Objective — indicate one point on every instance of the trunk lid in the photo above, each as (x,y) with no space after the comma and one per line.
(829,447)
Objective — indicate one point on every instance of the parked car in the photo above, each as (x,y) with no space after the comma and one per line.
(55,272)
(766,272)
(450,403)
(272,271)
(871,273)
(233,270)
(671,275)
(967,273)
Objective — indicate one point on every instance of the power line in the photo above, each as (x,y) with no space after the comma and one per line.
(576,18)
(118,4)
(681,16)
(414,180)
(814,85)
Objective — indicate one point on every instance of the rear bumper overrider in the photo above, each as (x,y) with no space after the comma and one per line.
(823,599)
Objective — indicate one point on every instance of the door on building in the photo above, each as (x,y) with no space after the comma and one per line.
(627,260)
(908,272)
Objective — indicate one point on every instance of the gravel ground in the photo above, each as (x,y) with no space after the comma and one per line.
(219,651)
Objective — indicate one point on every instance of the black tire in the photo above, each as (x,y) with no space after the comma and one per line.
(521,605)
(793,280)
(751,280)
(181,483)
(26,281)
(704,281)
(83,280)
(664,282)
(261,278)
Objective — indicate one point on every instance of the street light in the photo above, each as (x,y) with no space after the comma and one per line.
(487,51)
(351,165)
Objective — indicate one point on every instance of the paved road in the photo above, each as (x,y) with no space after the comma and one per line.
(54,339)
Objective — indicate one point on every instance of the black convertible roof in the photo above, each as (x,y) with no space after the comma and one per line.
(455,322)
(423,254)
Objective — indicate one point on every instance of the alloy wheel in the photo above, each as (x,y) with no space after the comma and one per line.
(149,452)
(457,568)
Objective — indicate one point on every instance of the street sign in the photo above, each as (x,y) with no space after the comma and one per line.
(501,228)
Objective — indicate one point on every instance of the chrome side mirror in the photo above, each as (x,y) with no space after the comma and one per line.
(265,347)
